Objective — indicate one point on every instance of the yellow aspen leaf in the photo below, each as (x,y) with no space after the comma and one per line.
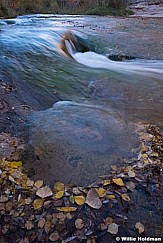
(15,164)
(39,183)
(106,182)
(66,209)
(125,197)
(58,186)
(38,203)
(139,227)
(110,197)
(59,194)
(101,192)
(118,182)
(80,200)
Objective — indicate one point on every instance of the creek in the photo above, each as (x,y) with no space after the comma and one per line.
(87,106)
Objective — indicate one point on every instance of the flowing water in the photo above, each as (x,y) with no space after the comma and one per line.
(100,99)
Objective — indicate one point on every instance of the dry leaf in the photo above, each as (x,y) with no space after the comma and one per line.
(106,182)
(41,223)
(103,227)
(58,186)
(25,240)
(59,194)
(101,192)
(118,182)
(30,183)
(139,227)
(48,226)
(54,236)
(80,200)
(108,220)
(110,196)
(125,197)
(79,224)
(3,199)
(114,167)
(66,209)
(131,173)
(44,192)
(29,225)
(113,229)
(130,185)
(92,199)
(28,200)
(39,183)
(38,203)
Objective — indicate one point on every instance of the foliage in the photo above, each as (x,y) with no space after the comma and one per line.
(10,8)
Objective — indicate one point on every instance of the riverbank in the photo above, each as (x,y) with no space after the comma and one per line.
(127,202)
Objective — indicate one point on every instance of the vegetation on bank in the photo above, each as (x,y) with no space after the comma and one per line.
(12,8)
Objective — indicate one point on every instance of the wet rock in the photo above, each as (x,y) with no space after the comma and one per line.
(78,142)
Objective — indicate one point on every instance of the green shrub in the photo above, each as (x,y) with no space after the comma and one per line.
(102,11)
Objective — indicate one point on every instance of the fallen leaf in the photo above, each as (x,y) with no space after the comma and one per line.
(80,200)
(113,229)
(48,226)
(25,240)
(29,225)
(130,185)
(139,227)
(108,220)
(58,186)
(110,196)
(54,236)
(71,198)
(30,183)
(118,182)
(101,192)
(15,164)
(28,200)
(66,209)
(114,167)
(3,199)
(44,192)
(103,226)
(41,223)
(39,183)
(79,224)
(125,197)
(92,199)
(38,203)
(59,194)
(106,182)
(131,173)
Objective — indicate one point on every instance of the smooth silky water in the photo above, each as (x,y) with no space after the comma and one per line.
(100,101)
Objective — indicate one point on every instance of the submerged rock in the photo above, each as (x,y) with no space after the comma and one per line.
(78,142)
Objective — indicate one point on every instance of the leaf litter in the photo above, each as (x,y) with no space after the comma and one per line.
(34,212)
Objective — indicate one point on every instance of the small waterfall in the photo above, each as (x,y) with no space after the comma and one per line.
(95,60)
